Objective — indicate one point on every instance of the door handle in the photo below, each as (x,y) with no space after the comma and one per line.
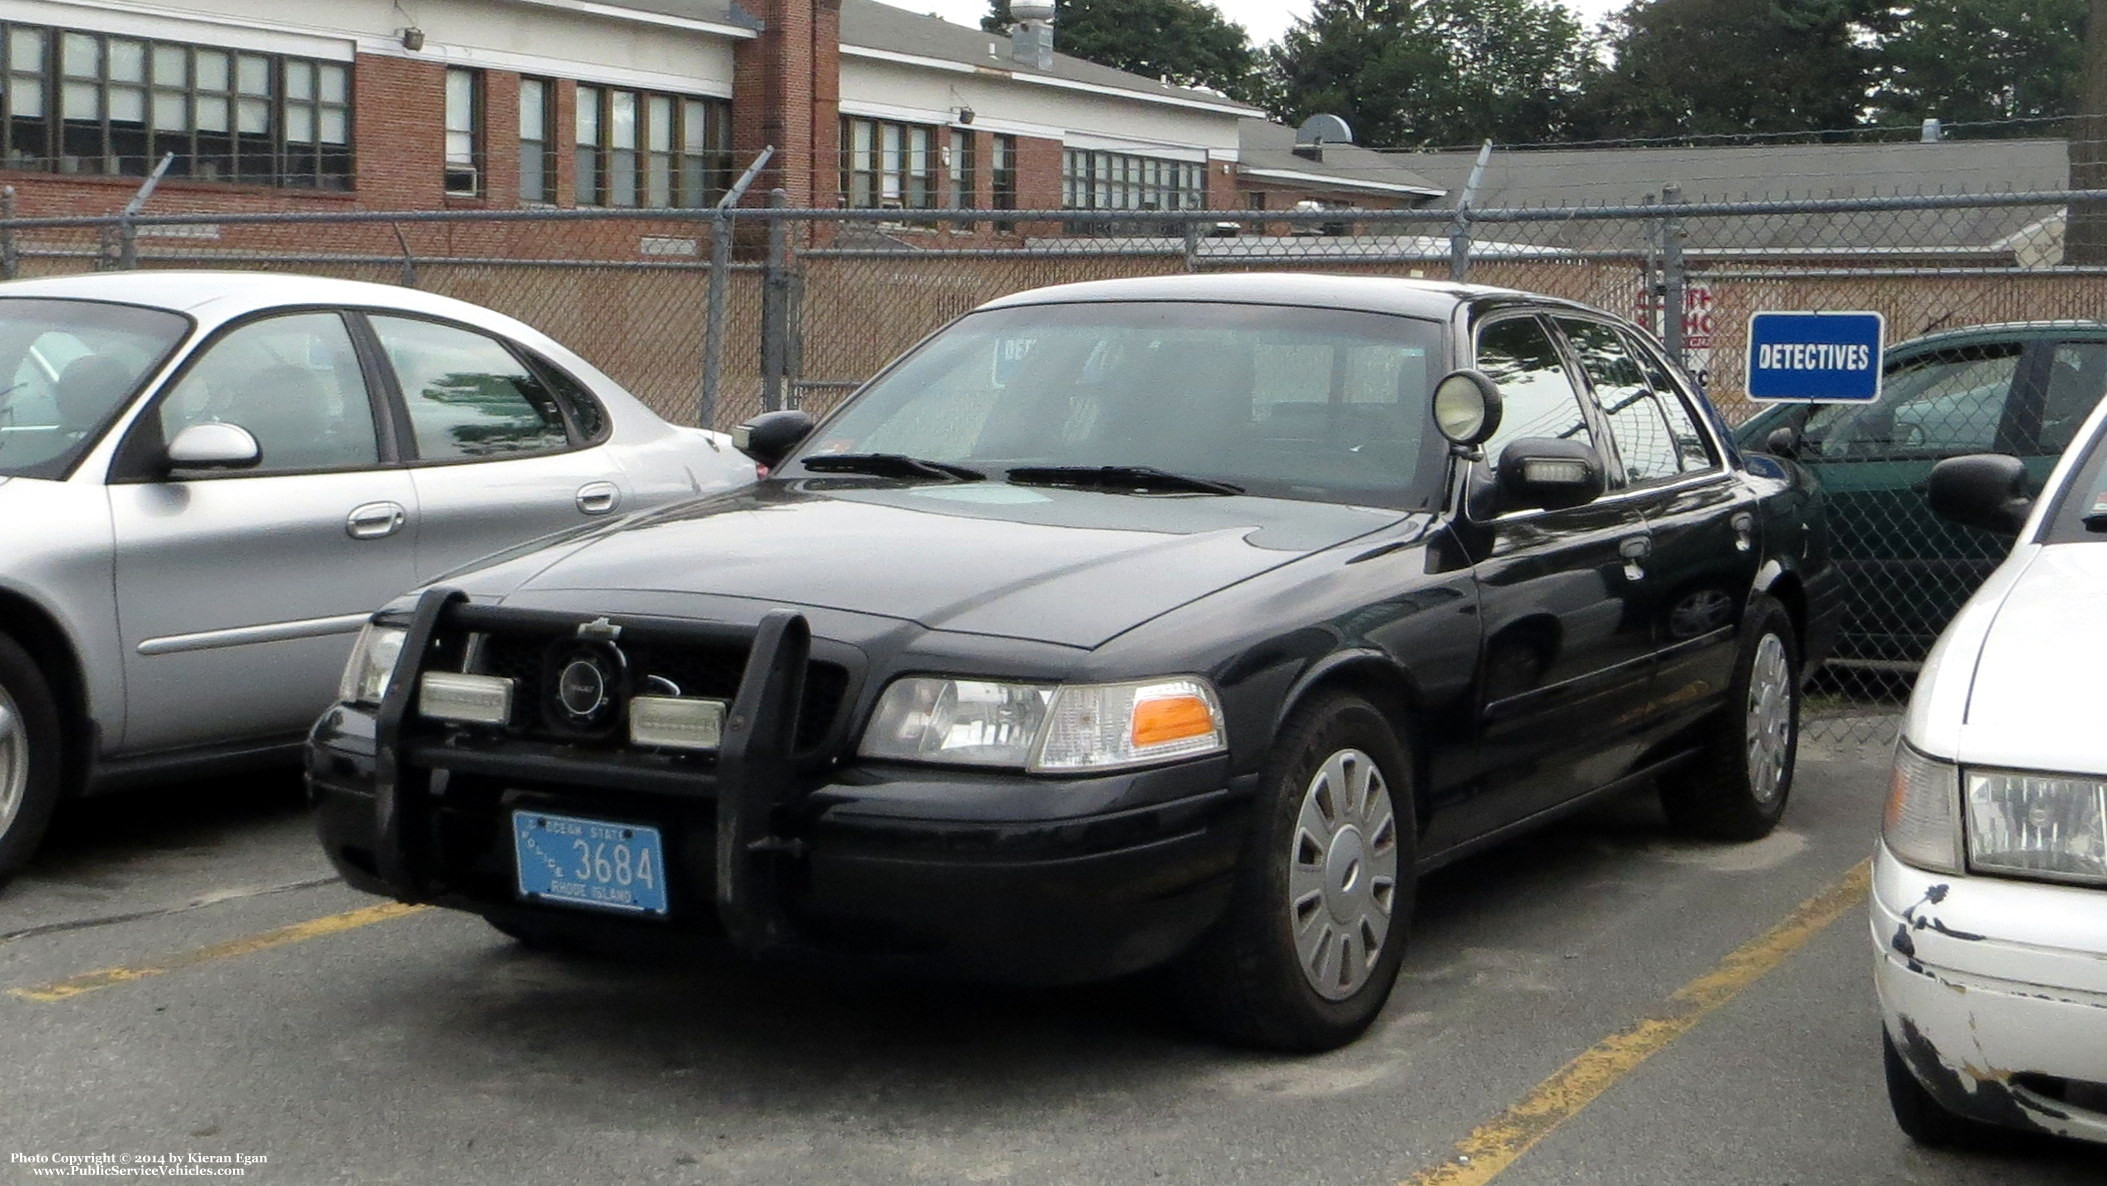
(1633,549)
(375,520)
(598,498)
(1744,531)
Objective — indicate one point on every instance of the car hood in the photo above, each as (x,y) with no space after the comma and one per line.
(1062,566)
(2030,704)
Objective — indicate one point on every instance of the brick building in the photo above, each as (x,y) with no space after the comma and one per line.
(502,104)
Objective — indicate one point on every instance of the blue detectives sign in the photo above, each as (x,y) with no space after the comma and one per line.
(1830,357)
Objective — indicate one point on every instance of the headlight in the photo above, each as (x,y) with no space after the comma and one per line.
(2038,825)
(1922,825)
(970,722)
(372,662)
(1043,728)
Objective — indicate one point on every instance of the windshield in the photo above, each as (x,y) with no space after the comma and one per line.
(1313,404)
(66,367)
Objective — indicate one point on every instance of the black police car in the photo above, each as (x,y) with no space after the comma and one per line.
(1182,620)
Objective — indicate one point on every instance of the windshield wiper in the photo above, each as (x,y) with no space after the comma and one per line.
(1118,477)
(890,465)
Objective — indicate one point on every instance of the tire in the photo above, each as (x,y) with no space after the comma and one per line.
(1321,883)
(30,758)
(1923,1118)
(1738,789)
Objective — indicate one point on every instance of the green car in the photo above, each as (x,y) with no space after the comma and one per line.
(2020,388)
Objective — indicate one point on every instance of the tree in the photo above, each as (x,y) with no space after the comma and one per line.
(1185,41)
(1728,67)
(1433,72)
(1972,61)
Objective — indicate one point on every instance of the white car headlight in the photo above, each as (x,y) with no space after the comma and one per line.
(1922,825)
(2037,825)
(372,663)
(1039,727)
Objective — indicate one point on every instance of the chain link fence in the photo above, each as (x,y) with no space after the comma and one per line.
(815,302)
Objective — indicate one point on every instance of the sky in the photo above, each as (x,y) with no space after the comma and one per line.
(1265,20)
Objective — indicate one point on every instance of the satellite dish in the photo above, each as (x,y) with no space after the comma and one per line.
(1318,129)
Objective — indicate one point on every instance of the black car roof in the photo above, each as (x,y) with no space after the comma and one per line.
(1435,299)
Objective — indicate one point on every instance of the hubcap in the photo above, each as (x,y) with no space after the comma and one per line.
(1342,874)
(14,761)
(1769,719)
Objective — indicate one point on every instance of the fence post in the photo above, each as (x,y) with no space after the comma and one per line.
(1674,281)
(714,315)
(775,309)
(1460,246)
(10,258)
(1192,244)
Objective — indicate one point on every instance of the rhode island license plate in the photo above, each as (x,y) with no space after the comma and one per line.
(586,862)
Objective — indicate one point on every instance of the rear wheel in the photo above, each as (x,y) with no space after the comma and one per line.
(1308,950)
(1739,787)
(29,758)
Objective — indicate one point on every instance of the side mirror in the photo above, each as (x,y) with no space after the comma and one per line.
(1467,408)
(769,437)
(1783,441)
(1549,473)
(1986,490)
(214,446)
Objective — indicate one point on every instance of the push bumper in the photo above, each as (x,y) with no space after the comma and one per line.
(1995,993)
(994,874)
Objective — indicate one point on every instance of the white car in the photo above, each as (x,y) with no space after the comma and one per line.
(1989,905)
(208,480)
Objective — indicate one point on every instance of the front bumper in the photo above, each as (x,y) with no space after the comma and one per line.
(991,873)
(1995,993)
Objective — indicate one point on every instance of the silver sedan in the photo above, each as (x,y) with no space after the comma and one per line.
(208,479)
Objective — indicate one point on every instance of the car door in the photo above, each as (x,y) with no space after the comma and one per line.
(1566,653)
(238,591)
(504,447)
(1700,516)
(1907,571)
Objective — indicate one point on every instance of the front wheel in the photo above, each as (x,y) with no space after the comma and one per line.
(1308,950)
(29,758)
(1739,787)
(1921,1117)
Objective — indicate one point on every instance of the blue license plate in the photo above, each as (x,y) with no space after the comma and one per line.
(587,862)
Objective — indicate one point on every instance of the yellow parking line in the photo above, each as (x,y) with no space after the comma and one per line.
(313,928)
(1501,1141)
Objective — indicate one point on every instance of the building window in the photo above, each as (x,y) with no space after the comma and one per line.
(537,164)
(1117,181)
(889,166)
(1004,178)
(464,132)
(640,149)
(959,163)
(80,102)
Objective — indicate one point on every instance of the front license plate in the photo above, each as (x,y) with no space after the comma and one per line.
(586,862)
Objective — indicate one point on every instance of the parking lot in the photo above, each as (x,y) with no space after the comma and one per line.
(182,976)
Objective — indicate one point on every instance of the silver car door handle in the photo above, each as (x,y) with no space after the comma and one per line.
(1744,531)
(1634,549)
(598,498)
(376,520)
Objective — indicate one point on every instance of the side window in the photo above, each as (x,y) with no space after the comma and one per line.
(1537,395)
(2077,378)
(1654,433)
(585,411)
(468,397)
(1948,402)
(293,382)
(1692,453)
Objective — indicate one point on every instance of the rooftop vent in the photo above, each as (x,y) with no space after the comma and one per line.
(1318,131)
(1032,38)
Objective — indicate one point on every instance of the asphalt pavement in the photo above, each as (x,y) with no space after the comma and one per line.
(184,986)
